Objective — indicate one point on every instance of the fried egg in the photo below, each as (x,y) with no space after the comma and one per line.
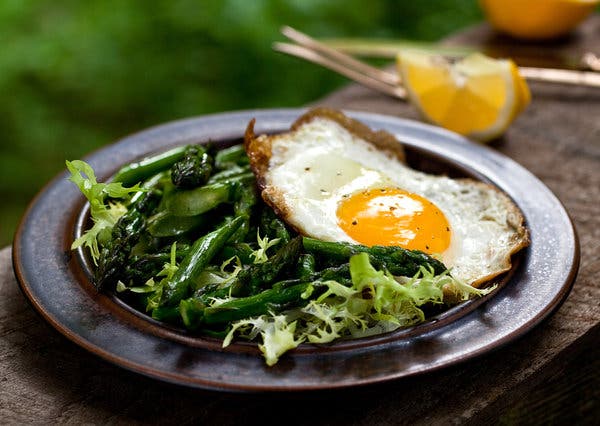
(333,179)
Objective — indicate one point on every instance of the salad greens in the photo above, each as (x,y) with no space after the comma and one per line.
(185,237)
(104,213)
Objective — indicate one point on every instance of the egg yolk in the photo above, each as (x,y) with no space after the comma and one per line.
(393,217)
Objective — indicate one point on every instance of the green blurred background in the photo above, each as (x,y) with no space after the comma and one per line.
(75,75)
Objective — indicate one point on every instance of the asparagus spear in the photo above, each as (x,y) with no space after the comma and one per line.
(200,200)
(339,273)
(143,169)
(193,170)
(232,155)
(125,234)
(261,303)
(305,268)
(167,313)
(272,226)
(242,250)
(165,224)
(192,312)
(396,260)
(232,172)
(201,253)
(141,267)
(256,277)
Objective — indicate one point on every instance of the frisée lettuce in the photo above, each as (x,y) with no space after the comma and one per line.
(376,302)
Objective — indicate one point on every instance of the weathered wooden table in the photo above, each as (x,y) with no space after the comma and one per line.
(551,374)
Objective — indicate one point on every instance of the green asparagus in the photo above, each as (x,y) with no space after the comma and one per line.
(140,171)
(201,253)
(193,170)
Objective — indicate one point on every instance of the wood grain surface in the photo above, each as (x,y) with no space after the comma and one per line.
(552,375)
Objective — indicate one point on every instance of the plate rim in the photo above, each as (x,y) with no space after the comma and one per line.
(289,114)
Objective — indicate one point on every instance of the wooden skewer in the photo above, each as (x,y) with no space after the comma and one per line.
(390,83)
(551,75)
(343,58)
(367,80)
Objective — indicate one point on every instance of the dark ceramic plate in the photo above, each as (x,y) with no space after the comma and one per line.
(56,280)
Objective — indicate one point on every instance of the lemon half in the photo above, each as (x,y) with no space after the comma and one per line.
(477,96)
(537,19)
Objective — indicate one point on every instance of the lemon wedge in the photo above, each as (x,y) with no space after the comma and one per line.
(476,96)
